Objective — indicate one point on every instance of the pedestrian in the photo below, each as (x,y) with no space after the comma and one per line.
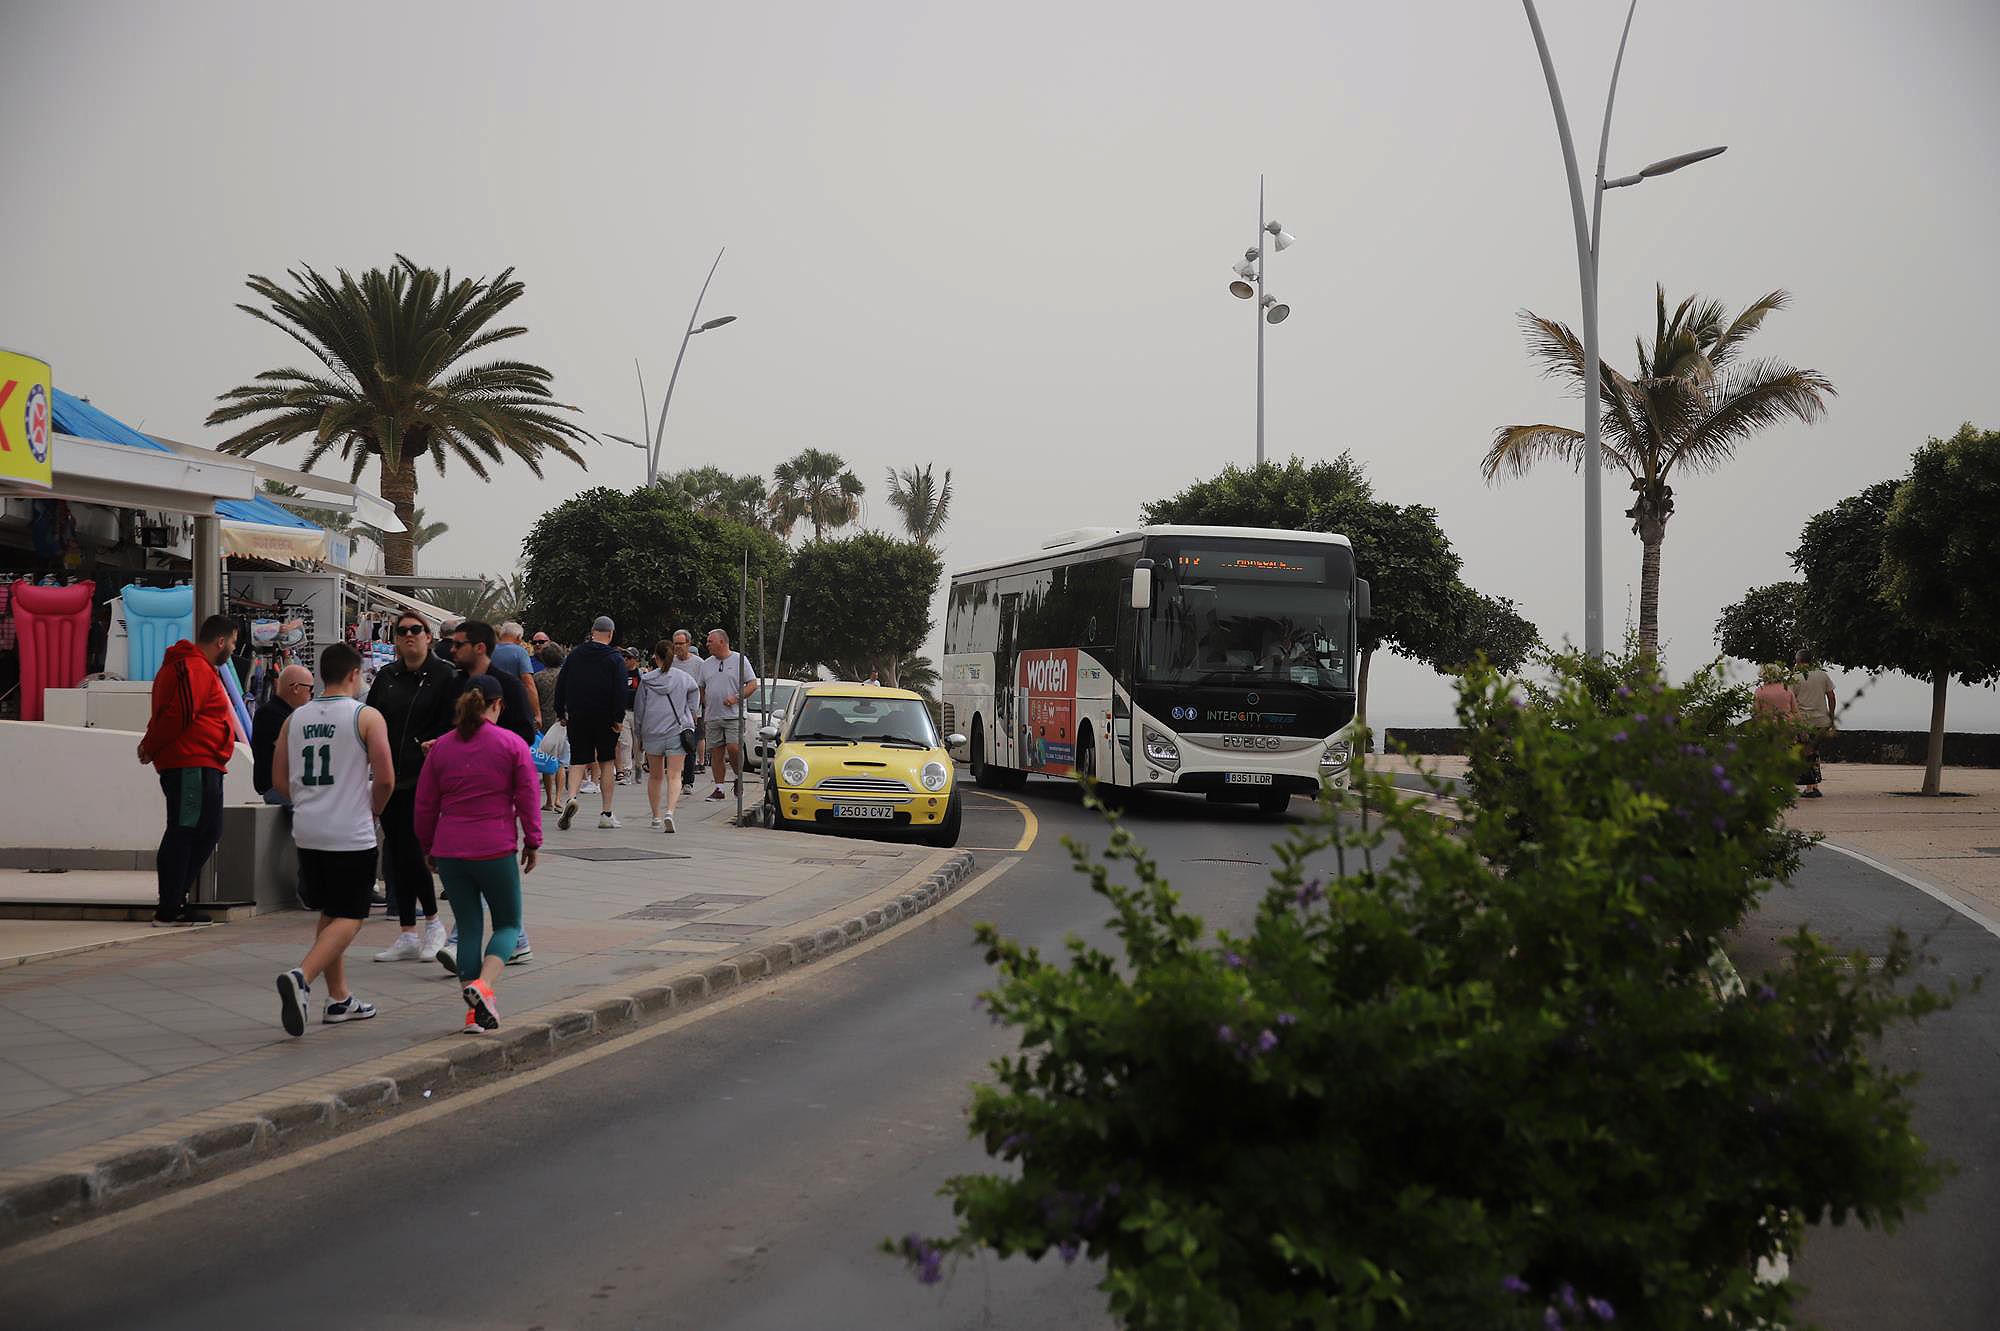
(664,720)
(688,663)
(294,686)
(510,655)
(442,645)
(727,678)
(478,784)
(335,768)
(472,645)
(626,761)
(413,693)
(189,741)
(591,703)
(550,658)
(1813,688)
(1774,697)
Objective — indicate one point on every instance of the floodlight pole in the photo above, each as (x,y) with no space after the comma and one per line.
(1257,313)
(660,433)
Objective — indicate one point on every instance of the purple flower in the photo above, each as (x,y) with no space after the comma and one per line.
(928,1258)
(1718,823)
(1286,1019)
(1069,1249)
(1566,1296)
(1310,891)
(1728,786)
(1638,718)
(1266,1041)
(1719,771)
(1624,692)
(1231,960)
(1672,718)
(1552,1319)
(1619,738)
(1514,1285)
(1765,993)
(1014,1141)
(1225,1035)
(1600,1309)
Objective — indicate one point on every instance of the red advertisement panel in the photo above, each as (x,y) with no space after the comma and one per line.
(1046,734)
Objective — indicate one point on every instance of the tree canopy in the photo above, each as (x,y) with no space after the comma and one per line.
(1941,539)
(860,603)
(643,559)
(817,486)
(923,501)
(1764,625)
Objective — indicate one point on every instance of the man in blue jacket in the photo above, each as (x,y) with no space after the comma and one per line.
(591,695)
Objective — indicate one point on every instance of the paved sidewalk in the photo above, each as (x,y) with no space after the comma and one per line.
(110,1042)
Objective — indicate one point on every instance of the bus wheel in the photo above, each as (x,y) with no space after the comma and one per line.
(1086,753)
(1275,802)
(984,773)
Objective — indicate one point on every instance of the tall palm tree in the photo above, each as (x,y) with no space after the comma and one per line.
(1686,409)
(713,491)
(923,502)
(392,383)
(817,486)
(423,532)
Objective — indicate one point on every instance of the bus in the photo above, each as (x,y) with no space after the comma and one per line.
(1215,660)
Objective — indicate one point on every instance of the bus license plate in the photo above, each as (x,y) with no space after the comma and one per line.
(863,811)
(1247,779)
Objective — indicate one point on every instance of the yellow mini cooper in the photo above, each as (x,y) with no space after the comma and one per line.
(864,757)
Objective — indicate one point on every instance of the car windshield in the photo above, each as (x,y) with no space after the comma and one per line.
(880,720)
(776,697)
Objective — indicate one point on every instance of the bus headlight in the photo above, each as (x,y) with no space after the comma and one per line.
(933,776)
(793,770)
(1161,751)
(1338,755)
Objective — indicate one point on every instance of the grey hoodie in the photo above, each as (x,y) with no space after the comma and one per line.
(665,707)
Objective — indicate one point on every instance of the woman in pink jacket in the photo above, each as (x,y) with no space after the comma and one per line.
(478,782)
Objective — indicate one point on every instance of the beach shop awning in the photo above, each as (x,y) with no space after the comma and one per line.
(92,473)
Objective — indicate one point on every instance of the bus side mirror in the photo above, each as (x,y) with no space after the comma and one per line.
(1364,604)
(1142,587)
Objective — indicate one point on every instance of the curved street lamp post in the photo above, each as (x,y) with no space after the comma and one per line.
(1587,254)
(652,447)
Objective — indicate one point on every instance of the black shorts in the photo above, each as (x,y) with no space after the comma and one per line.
(592,740)
(338,883)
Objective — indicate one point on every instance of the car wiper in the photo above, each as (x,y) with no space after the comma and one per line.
(835,739)
(895,739)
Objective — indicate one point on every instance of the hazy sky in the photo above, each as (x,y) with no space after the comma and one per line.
(998,237)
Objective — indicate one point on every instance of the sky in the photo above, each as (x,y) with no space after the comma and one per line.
(999,239)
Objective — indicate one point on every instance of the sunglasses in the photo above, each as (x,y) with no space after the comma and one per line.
(457,643)
(541,642)
(410,630)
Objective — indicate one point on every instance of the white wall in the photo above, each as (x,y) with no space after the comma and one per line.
(70,788)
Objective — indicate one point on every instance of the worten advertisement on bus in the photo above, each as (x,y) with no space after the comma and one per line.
(1045,737)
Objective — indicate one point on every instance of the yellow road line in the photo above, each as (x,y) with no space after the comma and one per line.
(459,1103)
(1033,825)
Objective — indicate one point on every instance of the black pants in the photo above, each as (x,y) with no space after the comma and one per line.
(194,826)
(409,878)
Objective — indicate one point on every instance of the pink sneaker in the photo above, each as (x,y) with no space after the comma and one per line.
(485,1007)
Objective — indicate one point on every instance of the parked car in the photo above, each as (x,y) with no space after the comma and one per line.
(777,694)
(862,756)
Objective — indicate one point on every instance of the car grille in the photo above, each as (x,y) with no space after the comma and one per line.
(873,785)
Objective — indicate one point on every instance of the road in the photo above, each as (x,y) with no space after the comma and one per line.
(736,1168)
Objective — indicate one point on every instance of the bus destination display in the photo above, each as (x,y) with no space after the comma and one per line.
(1249,566)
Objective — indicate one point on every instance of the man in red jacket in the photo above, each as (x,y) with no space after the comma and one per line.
(189,741)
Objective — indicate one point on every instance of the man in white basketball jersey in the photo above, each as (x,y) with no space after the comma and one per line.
(334,766)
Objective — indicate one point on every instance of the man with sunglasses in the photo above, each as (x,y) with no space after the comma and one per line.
(414,693)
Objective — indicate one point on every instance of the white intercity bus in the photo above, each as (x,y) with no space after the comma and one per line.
(1217,660)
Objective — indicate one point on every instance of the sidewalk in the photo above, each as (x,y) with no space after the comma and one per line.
(1952,841)
(114,1048)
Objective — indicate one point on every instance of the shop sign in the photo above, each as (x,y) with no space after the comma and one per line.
(26,424)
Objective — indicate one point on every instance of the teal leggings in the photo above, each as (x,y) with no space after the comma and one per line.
(470,886)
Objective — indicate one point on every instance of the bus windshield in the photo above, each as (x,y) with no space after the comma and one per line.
(1245,616)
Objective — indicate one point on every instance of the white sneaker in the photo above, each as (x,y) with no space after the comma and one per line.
(589,786)
(407,947)
(433,940)
(608,820)
(667,823)
(654,824)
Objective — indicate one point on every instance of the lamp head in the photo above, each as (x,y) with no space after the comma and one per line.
(1242,290)
(1285,238)
(1275,313)
(716,323)
(1246,269)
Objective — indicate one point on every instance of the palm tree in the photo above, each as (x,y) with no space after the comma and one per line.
(293,499)
(924,504)
(494,600)
(712,491)
(1685,411)
(817,486)
(392,386)
(423,532)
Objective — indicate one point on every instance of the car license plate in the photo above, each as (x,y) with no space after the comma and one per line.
(1247,779)
(863,811)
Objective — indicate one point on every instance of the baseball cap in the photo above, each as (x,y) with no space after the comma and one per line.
(603,624)
(488,687)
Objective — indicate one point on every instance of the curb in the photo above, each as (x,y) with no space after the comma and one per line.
(220,1141)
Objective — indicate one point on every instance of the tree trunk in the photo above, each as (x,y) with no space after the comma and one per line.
(1652,533)
(399,489)
(1361,687)
(1934,752)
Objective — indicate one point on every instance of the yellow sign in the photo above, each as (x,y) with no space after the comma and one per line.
(27,422)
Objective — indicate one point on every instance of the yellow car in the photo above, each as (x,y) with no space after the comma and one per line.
(863,757)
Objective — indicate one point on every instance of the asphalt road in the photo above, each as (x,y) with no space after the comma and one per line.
(738,1172)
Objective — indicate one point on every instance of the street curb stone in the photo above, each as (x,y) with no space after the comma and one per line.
(125,1177)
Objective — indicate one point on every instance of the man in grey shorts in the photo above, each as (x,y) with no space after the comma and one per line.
(685,660)
(727,680)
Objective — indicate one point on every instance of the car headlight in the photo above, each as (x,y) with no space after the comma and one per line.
(793,770)
(1161,751)
(934,776)
(1338,754)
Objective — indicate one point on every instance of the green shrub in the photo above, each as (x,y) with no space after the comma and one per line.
(1486,1080)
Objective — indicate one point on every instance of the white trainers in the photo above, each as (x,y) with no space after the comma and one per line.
(654,824)
(407,947)
(589,786)
(667,823)
(608,820)
(434,939)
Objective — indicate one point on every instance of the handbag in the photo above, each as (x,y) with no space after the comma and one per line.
(553,740)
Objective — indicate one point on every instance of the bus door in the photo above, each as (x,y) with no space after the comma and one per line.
(1006,687)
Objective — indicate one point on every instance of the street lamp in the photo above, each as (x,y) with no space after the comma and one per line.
(652,448)
(1268,310)
(1587,255)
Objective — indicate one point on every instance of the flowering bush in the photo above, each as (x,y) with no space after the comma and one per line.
(1486,1080)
